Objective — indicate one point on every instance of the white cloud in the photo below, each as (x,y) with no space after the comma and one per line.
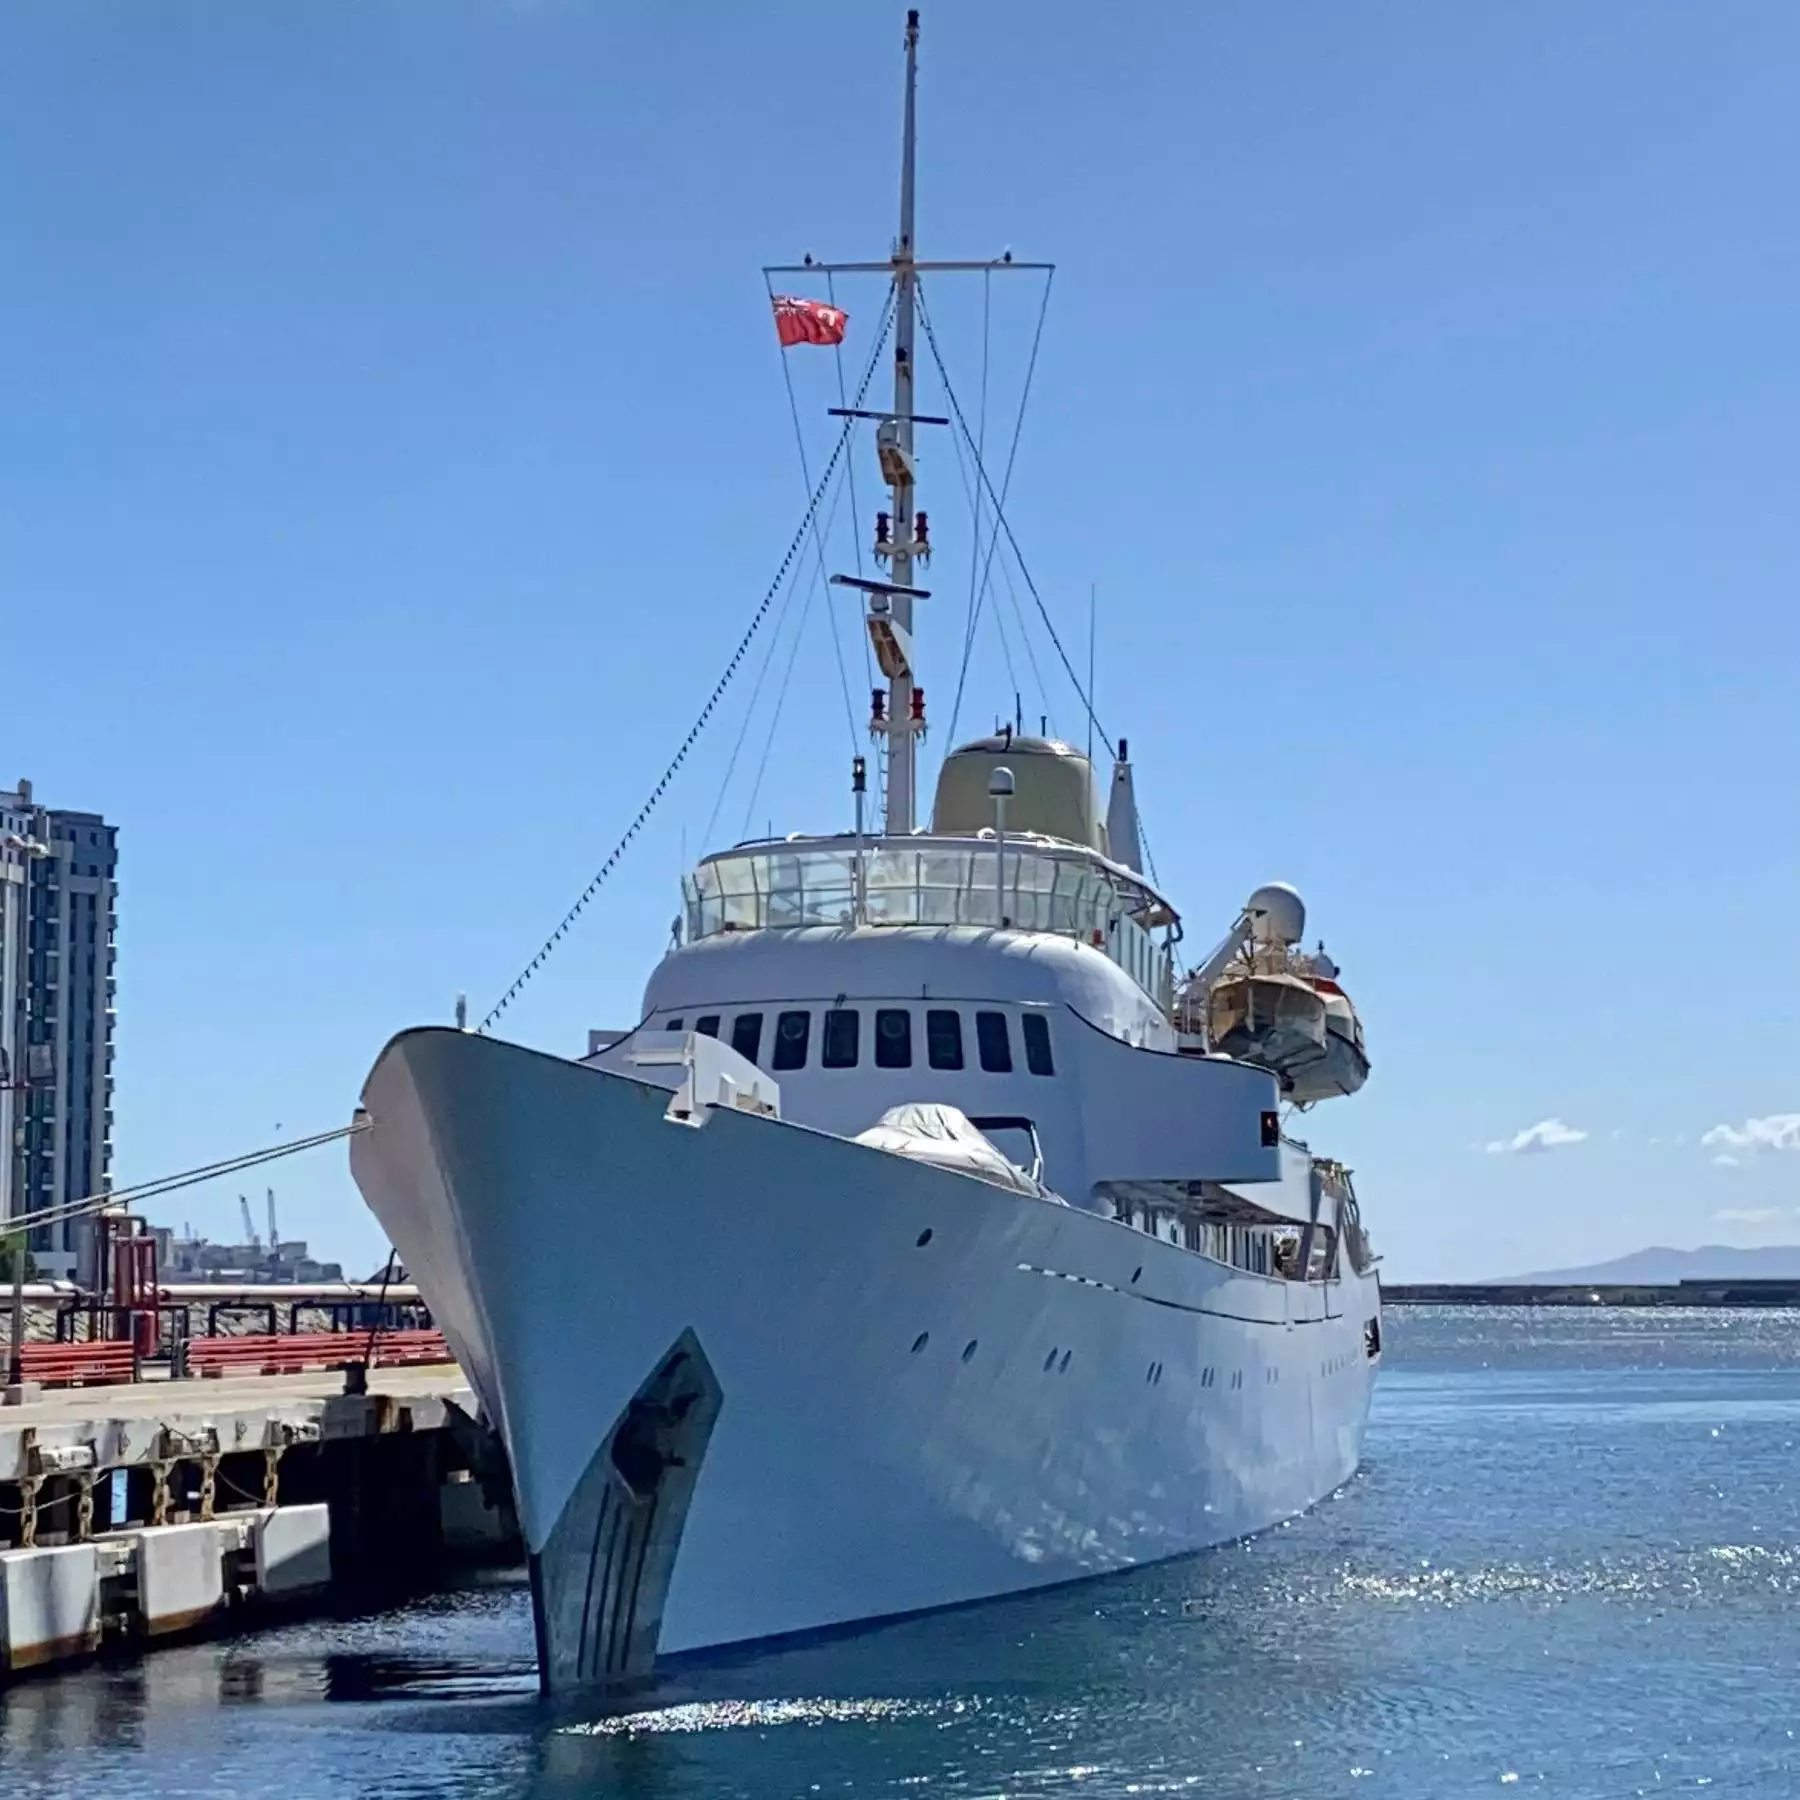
(1724,1160)
(1546,1134)
(1747,1215)
(1774,1131)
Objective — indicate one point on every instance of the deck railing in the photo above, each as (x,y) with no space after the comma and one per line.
(774,887)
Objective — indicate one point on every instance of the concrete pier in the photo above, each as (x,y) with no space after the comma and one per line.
(1743,1292)
(135,1513)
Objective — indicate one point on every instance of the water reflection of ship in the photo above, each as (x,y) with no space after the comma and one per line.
(1263,1000)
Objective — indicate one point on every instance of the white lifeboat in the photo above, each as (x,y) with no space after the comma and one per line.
(1268,1017)
(1261,999)
(1344,1066)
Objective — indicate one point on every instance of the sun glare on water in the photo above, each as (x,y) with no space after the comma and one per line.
(739,1715)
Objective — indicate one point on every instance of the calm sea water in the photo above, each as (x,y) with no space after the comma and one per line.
(1571,1566)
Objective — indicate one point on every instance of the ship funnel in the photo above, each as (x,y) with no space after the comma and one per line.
(1122,841)
(1052,794)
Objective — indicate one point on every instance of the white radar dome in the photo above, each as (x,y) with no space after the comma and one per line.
(1277,914)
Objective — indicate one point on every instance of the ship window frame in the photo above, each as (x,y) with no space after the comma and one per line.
(897,1054)
(993,1041)
(790,1052)
(752,1050)
(1034,1028)
(707,1025)
(837,1023)
(940,1020)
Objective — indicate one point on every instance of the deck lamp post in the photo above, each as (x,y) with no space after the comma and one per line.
(1000,790)
(31,850)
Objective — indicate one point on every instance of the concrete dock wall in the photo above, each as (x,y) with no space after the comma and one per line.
(136,1514)
(1755,1292)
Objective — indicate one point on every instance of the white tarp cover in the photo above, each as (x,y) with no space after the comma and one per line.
(942,1135)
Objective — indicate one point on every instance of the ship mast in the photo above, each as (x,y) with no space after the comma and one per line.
(901,538)
(901,728)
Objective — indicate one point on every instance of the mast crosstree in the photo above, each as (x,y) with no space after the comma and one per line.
(901,534)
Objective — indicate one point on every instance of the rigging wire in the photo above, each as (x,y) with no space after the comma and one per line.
(972,493)
(837,647)
(771,644)
(1005,524)
(856,511)
(770,655)
(1037,674)
(856,538)
(1037,338)
(814,588)
(168,1184)
(968,644)
(718,693)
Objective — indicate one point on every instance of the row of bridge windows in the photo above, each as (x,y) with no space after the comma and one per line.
(891,1031)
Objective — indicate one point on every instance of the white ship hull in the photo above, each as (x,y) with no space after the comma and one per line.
(1030,1395)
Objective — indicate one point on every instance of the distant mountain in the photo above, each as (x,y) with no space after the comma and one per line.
(1660,1266)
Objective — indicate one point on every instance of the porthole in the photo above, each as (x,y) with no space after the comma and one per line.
(969,1350)
(1063,1366)
(920,1342)
(1050,1360)
(1135,1273)
(922,1239)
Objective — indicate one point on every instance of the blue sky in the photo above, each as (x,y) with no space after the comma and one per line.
(395,444)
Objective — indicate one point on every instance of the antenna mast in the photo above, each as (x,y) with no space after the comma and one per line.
(901,534)
(902,730)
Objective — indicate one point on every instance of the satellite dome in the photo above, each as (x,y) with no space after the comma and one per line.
(1276,913)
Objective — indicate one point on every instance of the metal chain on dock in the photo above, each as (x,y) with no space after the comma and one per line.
(718,693)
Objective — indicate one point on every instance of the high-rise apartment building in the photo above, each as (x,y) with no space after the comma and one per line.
(57,909)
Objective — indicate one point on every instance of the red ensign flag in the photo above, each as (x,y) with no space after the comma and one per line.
(808,321)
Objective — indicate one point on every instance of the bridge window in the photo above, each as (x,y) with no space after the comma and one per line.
(746,1035)
(943,1039)
(793,1031)
(893,1038)
(994,1042)
(838,1046)
(673,1024)
(707,1025)
(1036,1030)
